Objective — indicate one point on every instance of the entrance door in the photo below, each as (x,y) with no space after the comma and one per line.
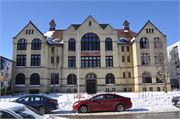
(91,86)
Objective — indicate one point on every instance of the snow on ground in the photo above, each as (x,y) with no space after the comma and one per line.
(144,101)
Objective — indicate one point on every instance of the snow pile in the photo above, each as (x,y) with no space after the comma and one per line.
(49,34)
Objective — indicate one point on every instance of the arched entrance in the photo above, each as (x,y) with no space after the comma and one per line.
(91,84)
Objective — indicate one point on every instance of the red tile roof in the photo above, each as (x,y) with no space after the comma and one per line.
(128,35)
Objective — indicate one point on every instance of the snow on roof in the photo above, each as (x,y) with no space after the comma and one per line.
(12,106)
(122,40)
(49,34)
(132,39)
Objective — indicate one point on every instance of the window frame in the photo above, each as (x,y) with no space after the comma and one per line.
(144,43)
(22,44)
(108,44)
(56,80)
(21,60)
(72,44)
(90,61)
(109,61)
(71,62)
(36,61)
(36,44)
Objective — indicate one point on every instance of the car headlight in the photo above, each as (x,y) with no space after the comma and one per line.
(75,103)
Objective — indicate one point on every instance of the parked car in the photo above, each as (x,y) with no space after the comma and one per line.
(20,111)
(176,101)
(41,103)
(103,102)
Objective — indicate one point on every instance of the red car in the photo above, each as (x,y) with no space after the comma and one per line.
(103,102)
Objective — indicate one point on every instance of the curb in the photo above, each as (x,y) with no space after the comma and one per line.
(111,113)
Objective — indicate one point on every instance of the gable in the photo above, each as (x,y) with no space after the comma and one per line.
(30,26)
(149,25)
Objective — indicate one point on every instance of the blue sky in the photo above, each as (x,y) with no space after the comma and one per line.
(15,15)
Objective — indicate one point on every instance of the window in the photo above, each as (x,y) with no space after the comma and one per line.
(21,60)
(144,43)
(158,89)
(20,79)
(32,31)
(22,44)
(129,74)
(57,60)
(146,77)
(52,49)
(158,58)
(26,31)
(36,44)
(56,77)
(176,49)
(6,115)
(145,59)
(127,48)
(110,96)
(90,61)
(130,89)
(144,89)
(157,42)
(149,30)
(122,48)
(71,62)
(29,31)
(52,59)
(90,76)
(123,59)
(124,75)
(150,89)
(71,79)
(146,30)
(90,42)
(109,61)
(35,60)
(99,97)
(124,89)
(89,23)
(72,44)
(152,30)
(69,90)
(108,43)
(110,79)
(107,89)
(128,59)
(113,89)
(35,79)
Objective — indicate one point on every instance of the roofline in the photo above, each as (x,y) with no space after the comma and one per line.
(7,59)
(145,25)
(26,26)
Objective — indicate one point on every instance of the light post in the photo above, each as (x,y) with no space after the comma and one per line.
(78,62)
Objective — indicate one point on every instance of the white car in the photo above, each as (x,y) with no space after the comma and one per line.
(20,111)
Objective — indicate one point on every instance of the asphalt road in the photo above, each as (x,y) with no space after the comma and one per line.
(173,115)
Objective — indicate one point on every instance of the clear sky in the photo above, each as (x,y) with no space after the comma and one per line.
(15,15)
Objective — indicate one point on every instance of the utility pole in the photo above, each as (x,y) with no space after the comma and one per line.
(78,62)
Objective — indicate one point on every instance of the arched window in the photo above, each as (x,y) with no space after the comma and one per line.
(71,79)
(146,77)
(90,42)
(158,77)
(157,42)
(20,79)
(110,79)
(90,76)
(144,43)
(36,44)
(22,44)
(108,44)
(72,45)
(35,79)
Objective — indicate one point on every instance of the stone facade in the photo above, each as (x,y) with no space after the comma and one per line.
(127,74)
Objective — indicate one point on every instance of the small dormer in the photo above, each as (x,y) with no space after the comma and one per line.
(126,25)
(52,25)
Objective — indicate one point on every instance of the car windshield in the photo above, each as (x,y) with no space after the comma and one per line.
(25,115)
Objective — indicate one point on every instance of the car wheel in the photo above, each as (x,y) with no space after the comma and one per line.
(83,109)
(42,109)
(119,108)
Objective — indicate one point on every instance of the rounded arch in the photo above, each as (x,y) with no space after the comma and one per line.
(71,79)
(110,78)
(22,44)
(146,77)
(36,44)
(108,44)
(90,42)
(144,42)
(91,75)
(20,78)
(157,42)
(35,79)
(72,44)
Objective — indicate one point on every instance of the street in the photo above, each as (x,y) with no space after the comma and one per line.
(174,115)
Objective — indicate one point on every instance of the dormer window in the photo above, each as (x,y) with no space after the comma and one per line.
(126,24)
(89,23)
